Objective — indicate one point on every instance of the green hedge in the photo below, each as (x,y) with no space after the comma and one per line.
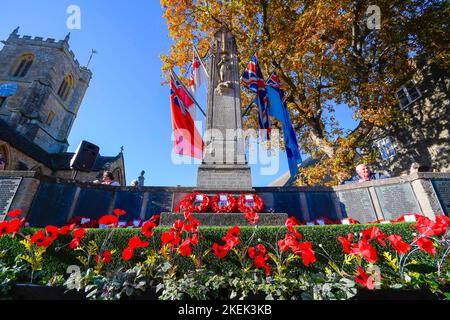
(59,256)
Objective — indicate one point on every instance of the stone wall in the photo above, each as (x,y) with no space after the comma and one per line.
(54,201)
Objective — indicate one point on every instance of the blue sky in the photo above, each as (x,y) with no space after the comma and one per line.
(125,104)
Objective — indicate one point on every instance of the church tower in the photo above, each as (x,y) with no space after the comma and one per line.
(50,84)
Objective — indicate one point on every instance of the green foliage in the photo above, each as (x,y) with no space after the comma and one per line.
(59,256)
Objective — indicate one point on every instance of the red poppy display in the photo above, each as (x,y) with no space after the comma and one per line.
(244,207)
(108,220)
(189,203)
(218,207)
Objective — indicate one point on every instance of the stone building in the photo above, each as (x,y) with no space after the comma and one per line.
(36,120)
(417,139)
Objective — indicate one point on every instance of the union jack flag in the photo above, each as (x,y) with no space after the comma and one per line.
(253,79)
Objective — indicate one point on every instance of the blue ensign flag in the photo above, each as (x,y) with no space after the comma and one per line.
(278,109)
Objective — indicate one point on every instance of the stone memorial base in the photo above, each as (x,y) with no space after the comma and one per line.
(224,178)
(225,219)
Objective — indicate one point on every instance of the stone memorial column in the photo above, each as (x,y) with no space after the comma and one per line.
(224,166)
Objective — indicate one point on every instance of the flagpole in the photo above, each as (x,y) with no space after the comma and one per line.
(188,92)
(248,108)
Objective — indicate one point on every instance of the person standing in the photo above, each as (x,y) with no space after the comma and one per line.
(108,179)
(364,175)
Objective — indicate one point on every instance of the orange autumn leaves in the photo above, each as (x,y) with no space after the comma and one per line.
(326,58)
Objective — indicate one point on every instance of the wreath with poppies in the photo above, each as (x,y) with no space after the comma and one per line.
(188,203)
(257,207)
(230,207)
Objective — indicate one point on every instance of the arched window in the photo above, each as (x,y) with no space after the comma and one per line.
(118,175)
(65,87)
(23,64)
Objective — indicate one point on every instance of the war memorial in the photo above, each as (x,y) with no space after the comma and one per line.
(221,239)
(55,201)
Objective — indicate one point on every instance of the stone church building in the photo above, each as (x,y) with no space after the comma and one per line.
(36,120)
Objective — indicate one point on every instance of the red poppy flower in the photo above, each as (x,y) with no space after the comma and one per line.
(108,220)
(179,224)
(365,279)
(136,242)
(443,220)
(425,244)
(127,253)
(282,245)
(52,232)
(252,217)
(427,227)
(346,243)
(185,248)
(260,261)
(170,237)
(221,251)
(79,233)
(290,223)
(74,243)
(374,233)
(106,257)
(148,228)
(155,219)
(3,227)
(40,239)
(232,237)
(14,226)
(15,213)
(366,250)
(305,249)
(119,212)
(192,227)
(66,229)
(398,244)
(235,231)
(194,240)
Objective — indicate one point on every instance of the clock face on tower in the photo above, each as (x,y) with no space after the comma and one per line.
(8,89)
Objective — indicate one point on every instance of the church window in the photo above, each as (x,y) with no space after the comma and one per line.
(22,66)
(407,94)
(50,118)
(65,87)
(386,148)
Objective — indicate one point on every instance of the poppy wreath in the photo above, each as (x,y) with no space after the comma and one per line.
(256,208)
(188,203)
(229,208)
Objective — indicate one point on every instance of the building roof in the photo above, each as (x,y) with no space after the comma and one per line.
(54,161)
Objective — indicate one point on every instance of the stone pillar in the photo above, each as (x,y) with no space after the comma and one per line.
(224,166)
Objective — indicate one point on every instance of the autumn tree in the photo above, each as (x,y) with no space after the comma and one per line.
(328,58)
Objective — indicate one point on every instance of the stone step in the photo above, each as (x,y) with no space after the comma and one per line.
(225,219)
